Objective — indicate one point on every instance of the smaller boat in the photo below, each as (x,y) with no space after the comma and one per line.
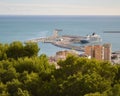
(91,39)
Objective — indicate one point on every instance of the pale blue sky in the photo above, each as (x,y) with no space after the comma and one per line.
(59,7)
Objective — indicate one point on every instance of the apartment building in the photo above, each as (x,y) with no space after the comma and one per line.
(99,52)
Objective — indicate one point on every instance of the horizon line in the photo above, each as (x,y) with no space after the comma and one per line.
(50,15)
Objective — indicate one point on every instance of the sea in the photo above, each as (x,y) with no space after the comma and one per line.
(23,28)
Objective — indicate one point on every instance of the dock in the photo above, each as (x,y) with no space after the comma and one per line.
(68,46)
(65,41)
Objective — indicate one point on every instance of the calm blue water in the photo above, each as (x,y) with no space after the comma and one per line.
(22,28)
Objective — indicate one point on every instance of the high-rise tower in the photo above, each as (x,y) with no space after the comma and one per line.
(99,52)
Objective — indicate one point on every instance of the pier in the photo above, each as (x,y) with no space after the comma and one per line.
(68,46)
(65,41)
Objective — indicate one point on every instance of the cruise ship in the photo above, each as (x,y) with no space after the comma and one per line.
(91,39)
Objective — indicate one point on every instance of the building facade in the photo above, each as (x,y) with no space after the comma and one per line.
(99,52)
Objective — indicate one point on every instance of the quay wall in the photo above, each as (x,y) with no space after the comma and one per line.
(68,46)
(65,43)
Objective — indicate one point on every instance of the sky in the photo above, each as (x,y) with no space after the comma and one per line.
(59,7)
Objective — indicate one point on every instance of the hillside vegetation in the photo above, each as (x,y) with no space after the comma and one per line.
(24,73)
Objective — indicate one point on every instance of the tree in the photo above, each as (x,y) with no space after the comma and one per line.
(27,74)
(7,71)
(114,91)
(2,87)
(3,49)
(95,94)
(22,92)
(31,49)
(15,50)
(96,75)
(12,87)
(32,83)
(117,75)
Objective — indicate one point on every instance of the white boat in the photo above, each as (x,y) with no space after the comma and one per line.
(91,39)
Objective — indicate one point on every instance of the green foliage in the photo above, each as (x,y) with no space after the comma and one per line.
(13,86)
(3,49)
(7,71)
(31,49)
(23,73)
(97,76)
(17,49)
(34,64)
(114,91)
(2,87)
(22,92)
(94,83)
(32,82)
(95,94)
(4,94)
(117,76)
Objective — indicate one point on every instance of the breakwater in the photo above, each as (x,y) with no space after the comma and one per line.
(111,31)
(68,46)
(64,41)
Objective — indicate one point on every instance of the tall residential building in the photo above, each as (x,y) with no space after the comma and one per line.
(107,52)
(99,52)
